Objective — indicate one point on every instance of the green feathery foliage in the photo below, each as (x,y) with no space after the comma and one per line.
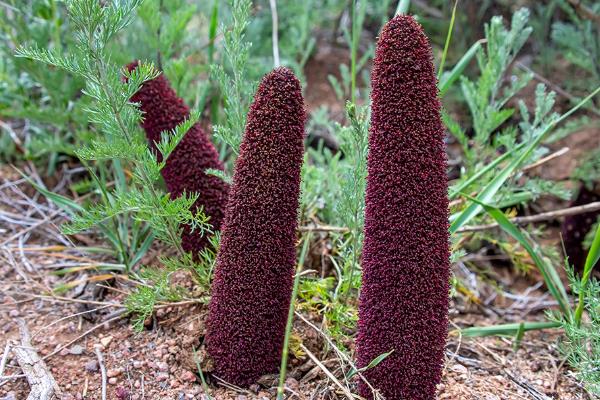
(236,90)
(119,140)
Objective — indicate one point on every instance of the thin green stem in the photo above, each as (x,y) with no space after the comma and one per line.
(353,51)
(102,186)
(587,272)
(403,6)
(448,38)
(290,320)
(101,71)
(56,30)
(212,34)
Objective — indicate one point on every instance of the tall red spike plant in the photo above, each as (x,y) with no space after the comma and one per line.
(185,168)
(403,306)
(252,286)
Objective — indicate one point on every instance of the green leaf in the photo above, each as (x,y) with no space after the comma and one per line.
(590,261)
(448,78)
(62,202)
(374,362)
(488,193)
(551,278)
(506,329)
(519,336)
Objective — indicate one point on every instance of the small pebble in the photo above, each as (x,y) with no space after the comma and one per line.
(188,376)
(91,366)
(14,313)
(162,366)
(111,373)
(162,377)
(459,368)
(105,341)
(113,381)
(76,350)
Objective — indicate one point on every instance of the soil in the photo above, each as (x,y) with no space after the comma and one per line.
(159,362)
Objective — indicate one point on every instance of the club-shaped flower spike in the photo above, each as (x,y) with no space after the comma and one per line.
(252,286)
(403,307)
(185,168)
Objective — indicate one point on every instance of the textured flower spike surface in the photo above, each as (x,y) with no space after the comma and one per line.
(184,169)
(252,287)
(404,296)
(576,227)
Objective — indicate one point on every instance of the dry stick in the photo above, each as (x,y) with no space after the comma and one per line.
(30,228)
(84,334)
(340,353)
(347,393)
(517,220)
(541,161)
(323,228)
(584,11)
(70,300)
(553,86)
(102,369)
(275,35)
(67,317)
(42,383)
(565,212)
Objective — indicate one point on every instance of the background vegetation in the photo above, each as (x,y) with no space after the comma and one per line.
(513,88)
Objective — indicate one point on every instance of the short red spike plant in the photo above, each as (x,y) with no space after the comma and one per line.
(185,168)
(404,297)
(252,286)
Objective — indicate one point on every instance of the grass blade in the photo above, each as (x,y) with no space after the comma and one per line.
(590,261)
(403,6)
(551,278)
(480,172)
(448,38)
(506,329)
(64,203)
(448,78)
(374,362)
(488,193)
(290,320)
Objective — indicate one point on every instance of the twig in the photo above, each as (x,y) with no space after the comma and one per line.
(42,383)
(527,387)
(102,369)
(323,228)
(584,11)
(275,33)
(84,334)
(565,212)
(347,392)
(340,353)
(67,317)
(69,300)
(541,161)
(554,86)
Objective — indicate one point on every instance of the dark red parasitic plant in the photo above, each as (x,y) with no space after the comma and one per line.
(252,286)
(576,227)
(404,296)
(185,168)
